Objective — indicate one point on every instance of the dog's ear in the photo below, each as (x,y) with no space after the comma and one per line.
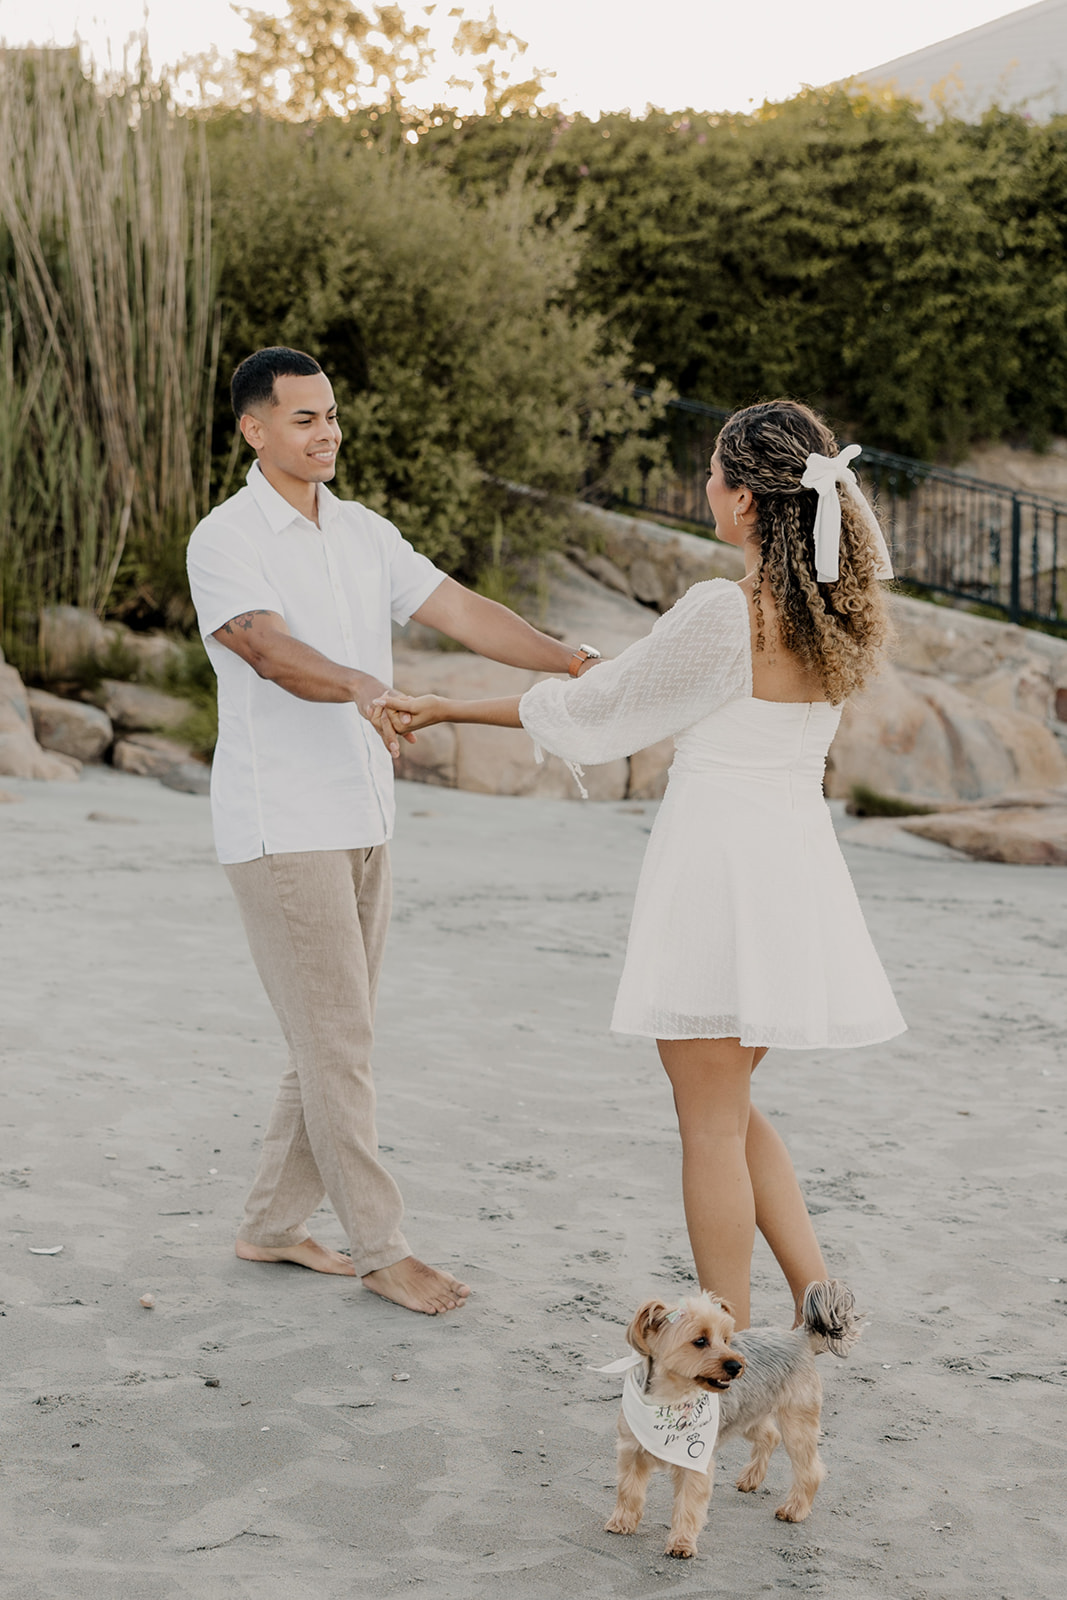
(647,1321)
(728,1308)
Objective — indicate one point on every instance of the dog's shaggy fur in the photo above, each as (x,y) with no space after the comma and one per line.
(768,1390)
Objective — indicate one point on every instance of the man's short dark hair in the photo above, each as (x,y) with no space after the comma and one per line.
(253,383)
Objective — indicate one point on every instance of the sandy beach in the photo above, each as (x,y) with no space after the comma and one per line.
(265,1432)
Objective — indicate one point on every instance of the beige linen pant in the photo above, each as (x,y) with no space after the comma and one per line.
(316,924)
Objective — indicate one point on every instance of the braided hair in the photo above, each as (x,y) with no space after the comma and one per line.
(838,630)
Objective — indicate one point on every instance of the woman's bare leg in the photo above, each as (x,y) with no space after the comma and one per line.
(711,1080)
(781,1215)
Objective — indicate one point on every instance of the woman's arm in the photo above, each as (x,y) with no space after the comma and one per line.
(409,713)
(696,658)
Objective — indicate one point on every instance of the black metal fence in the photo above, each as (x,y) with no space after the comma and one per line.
(948,533)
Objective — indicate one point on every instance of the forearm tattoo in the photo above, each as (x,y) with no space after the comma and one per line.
(244,621)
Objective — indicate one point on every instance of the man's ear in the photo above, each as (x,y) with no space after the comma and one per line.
(252,429)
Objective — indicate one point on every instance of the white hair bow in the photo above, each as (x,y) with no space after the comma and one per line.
(823,474)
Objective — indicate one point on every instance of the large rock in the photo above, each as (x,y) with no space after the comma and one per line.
(188,777)
(502,761)
(133,708)
(486,760)
(1003,666)
(72,638)
(69,727)
(153,652)
(973,712)
(915,736)
(149,755)
(647,583)
(1027,834)
(605,572)
(20,754)
(656,563)
(432,757)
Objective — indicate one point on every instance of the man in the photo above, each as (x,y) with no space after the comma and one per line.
(294,592)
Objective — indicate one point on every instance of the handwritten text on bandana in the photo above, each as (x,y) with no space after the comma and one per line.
(683,1435)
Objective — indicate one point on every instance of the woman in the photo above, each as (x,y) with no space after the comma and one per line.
(746,931)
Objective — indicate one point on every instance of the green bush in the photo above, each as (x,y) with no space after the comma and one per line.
(909,278)
(464,378)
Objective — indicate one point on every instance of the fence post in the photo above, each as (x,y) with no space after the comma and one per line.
(1015,597)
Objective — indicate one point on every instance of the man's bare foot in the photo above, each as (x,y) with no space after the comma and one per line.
(413,1284)
(305,1254)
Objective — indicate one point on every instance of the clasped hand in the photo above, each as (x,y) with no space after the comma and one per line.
(398,716)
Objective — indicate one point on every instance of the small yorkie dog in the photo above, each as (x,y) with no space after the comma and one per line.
(767,1388)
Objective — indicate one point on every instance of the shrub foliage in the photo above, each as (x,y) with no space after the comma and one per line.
(461,369)
(108,334)
(908,277)
(484,292)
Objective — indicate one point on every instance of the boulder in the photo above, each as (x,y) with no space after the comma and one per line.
(68,726)
(502,761)
(70,637)
(487,760)
(914,736)
(648,771)
(648,584)
(971,713)
(188,777)
(149,755)
(133,708)
(1004,666)
(431,759)
(14,701)
(153,652)
(577,608)
(1028,835)
(20,754)
(607,573)
(656,563)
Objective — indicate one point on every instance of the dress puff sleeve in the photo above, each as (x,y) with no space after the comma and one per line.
(696,658)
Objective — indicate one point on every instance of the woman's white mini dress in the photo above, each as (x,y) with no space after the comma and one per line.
(746,922)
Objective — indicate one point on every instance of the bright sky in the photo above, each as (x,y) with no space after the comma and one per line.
(607,54)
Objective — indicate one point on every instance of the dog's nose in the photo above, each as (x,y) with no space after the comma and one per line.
(733,1367)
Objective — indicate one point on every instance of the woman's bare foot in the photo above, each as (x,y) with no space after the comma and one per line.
(305,1254)
(413,1284)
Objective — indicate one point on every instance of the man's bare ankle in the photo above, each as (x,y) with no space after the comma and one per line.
(305,1253)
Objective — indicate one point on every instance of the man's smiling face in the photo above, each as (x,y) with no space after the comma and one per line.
(298,436)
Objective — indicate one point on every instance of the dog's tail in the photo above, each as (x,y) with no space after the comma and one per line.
(829,1317)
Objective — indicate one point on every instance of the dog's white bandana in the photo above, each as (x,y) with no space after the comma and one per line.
(683,1435)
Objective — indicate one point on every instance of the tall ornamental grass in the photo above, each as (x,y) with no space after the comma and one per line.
(108,342)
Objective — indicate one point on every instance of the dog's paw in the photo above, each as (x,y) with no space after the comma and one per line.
(681,1549)
(620,1523)
(793,1509)
(751,1478)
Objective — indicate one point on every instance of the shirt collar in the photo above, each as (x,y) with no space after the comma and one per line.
(276,508)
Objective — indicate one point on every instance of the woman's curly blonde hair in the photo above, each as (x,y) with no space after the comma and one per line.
(840,629)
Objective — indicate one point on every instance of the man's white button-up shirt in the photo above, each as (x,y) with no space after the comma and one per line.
(294,774)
